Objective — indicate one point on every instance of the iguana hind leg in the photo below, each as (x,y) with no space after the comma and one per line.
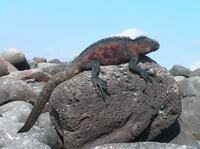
(99,84)
(133,67)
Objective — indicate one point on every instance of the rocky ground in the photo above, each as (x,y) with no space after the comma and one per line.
(134,112)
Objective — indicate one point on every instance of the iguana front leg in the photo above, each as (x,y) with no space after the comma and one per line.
(133,67)
(99,84)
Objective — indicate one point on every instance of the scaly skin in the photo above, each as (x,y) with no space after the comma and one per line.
(109,51)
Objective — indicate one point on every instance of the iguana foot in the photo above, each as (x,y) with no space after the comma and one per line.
(101,87)
(147,76)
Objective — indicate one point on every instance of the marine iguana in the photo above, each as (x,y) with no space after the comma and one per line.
(108,51)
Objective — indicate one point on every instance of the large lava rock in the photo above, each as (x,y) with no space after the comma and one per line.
(134,111)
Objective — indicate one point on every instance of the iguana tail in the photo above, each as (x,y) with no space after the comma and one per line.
(39,105)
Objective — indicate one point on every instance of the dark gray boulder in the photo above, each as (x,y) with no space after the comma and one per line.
(178,70)
(134,110)
(16,58)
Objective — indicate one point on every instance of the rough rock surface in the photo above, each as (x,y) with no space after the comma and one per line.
(11,90)
(134,111)
(178,70)
(142,145)
(16,58)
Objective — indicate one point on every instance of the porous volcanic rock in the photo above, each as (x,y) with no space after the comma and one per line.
(134,111)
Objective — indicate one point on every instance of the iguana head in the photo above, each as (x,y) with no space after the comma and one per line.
(145,45)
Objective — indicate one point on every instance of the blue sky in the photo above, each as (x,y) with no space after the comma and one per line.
(63,28)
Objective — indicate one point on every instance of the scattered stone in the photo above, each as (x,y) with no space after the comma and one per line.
(16,58)
(33,64)
(44,121)
(178,70)
(12,90)
(25,143)
(13,114)
(185,137)
(56,61)
(46,135)
(40,59)
(3,67)
(195,73)
(190,86)
(179,133)
(35,74)
(45,65)
(179,78)
(84,119)
(11,68)
(36,86)
(142,145)
(191,113)
(17,111)
(51,68)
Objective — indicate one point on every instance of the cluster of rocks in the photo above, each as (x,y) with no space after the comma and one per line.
(189,84)
(76,117)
